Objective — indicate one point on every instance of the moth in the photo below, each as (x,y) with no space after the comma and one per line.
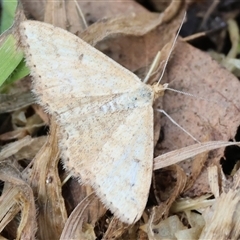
(104,113)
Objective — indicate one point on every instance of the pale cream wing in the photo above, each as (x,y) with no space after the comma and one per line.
(113,152)
(64,65)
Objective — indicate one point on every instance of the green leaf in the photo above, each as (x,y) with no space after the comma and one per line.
(21,71)
(11,57)
(8,14)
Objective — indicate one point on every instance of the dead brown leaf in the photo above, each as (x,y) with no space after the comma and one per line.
(89,207)
(15,147)
(22,125)
(168,184)
(214,117)
(46,185)
(63,14)
(116,230)
(17,196)
(29,152)
(134,47)
(93,11)
(74,227)
(10,103)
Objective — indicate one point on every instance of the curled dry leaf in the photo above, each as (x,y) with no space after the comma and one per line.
(13,148)
(70,17)
(22,126)
(124,48)
(64,14)
(29,152)
(79,193)
(13,102)
(168,184)
(73,228)
(93,11)
(23,149)
(213,114)
(17,196)
(43,115)
(34,8)
(116,230)
(46,185)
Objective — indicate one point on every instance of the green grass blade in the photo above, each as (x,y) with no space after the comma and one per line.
(10,57)
(8,14)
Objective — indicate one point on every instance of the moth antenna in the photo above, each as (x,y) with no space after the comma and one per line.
(171,50)
(188,94)
(175,123)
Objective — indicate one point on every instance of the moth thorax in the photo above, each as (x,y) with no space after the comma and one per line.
(159,89)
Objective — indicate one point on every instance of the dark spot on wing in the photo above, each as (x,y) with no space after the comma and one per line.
(81,57)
